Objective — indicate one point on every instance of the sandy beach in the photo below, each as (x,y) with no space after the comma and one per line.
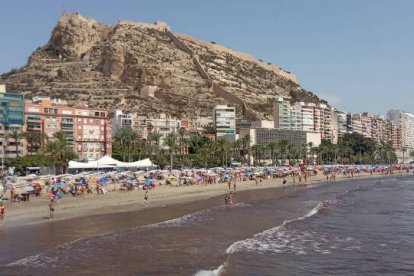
(28,232)
(36,210)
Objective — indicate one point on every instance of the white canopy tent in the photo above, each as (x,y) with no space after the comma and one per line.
(137,164)
(109,162)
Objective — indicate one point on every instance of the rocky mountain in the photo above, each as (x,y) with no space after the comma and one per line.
(143,67)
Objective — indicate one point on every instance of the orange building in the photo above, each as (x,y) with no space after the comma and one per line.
(87,129)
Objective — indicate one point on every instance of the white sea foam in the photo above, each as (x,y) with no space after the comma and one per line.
(261,240)
(38,260)
(194,217)
(200,216)
(215,272)
(42,260)
(251,244)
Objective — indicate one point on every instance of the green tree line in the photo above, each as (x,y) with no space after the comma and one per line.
(182,149)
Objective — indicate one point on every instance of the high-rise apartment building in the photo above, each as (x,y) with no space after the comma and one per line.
(405,123)
(11,120)
(354,123)
(87,129)
(308,124)
(225,122)
(366,123)
(282,114)
(341,123)
(296,118)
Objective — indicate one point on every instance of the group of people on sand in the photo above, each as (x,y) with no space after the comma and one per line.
(231,177)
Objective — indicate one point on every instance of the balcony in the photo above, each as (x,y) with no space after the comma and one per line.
(70,141)
(34,127)
(67,128)
(33,118)
(67,121)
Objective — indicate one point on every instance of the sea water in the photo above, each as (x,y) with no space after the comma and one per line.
(359,227)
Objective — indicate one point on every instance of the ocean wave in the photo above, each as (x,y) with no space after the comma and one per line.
(214,272)
(200,216)
(257,242)
(43,259)
(277,238)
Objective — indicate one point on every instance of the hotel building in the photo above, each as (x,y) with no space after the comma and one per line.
(87,129)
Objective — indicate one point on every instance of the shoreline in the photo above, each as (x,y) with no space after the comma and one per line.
(46,234)
(36,211)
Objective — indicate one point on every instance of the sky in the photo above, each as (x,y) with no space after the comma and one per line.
(357,54)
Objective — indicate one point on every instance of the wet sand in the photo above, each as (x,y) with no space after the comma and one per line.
(37,210)
(78,218)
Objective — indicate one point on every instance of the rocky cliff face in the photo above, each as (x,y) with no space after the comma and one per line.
(110,66)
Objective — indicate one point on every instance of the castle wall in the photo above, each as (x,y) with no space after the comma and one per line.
(160,26)
(243,56)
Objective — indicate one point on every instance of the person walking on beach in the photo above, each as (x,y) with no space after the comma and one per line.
(284,183)
(228,199)
(2,211)
(146,197)
(51,208)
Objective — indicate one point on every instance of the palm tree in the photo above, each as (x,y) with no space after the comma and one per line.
(196,142)
(59,152)
(222,145)
(245,141)
(171,142)
(182,133)
(203,153)
(272,147)
(35,141)
(303,152)
(61,138)
(283,146)
(125,138)
(261,151)
(16,136)
(52,149)
(153,144)
(236,149)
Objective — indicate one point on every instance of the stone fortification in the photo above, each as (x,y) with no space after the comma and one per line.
(158,25)
(243,56)
(108,66)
